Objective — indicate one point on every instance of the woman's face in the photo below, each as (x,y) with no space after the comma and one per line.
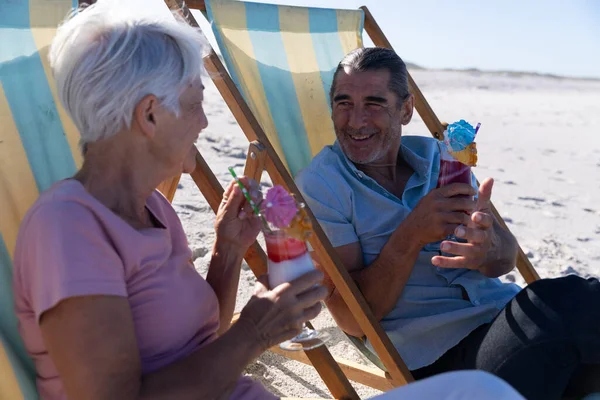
(176,136)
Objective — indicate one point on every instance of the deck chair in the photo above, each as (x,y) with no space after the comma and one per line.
(279,64)
(39,146)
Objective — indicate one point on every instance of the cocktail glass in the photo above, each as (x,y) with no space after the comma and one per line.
(289,259)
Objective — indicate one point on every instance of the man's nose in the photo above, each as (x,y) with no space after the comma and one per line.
(358,118)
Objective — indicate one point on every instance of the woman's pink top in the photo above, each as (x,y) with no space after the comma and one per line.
(70,245)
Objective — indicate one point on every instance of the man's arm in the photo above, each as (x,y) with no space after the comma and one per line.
(381,282)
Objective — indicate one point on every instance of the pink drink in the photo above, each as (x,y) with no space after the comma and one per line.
(288,258)
(453,172)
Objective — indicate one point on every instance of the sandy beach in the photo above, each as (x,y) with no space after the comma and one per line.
(539,141)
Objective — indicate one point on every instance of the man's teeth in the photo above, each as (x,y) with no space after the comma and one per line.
(360,137)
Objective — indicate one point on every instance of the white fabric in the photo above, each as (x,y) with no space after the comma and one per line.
(456,385)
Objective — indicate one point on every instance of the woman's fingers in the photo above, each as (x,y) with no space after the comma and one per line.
(262,284)
(285,335)
(300,284)
(314,295)
(312,312)
(239,200)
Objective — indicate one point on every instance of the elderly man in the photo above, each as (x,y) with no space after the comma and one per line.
(374,193)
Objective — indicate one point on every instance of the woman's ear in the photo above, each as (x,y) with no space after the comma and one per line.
(408,107)
(145,115)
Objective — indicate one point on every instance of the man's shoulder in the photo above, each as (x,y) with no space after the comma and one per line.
(325,165)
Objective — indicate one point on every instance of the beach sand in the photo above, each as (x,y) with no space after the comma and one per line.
(538,139)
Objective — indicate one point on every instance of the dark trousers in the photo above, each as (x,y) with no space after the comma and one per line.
(545,342)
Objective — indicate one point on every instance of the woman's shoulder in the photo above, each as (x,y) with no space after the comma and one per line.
(66,199)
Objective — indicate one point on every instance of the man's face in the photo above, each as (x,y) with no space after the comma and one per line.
(368,117)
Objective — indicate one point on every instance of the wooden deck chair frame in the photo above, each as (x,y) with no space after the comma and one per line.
(262,156)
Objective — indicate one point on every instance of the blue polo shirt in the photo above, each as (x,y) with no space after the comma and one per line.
(432,314)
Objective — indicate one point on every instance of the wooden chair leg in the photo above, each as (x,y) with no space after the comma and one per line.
(169,187)
(321,359)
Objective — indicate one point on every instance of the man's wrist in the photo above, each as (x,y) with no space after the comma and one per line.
(409,238)
(404,241)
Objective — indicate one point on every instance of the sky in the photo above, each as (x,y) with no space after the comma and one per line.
(560,37)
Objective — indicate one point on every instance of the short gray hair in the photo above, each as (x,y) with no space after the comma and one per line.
(376,58)
(105,58)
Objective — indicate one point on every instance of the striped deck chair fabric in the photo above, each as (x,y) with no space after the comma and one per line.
(282,59)
(38,146)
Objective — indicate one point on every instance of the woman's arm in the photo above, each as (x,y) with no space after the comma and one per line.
(92,342)
(224,276)
(236,229)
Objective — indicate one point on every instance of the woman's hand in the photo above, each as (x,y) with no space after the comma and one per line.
(236,224)
(277,315)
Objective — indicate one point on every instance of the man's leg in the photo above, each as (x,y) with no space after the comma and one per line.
(546,337)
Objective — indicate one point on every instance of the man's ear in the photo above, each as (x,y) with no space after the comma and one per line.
(145,115)
(407,109)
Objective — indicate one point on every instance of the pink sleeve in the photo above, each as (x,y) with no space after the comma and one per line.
(65,252)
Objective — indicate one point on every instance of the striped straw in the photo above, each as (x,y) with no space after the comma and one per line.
(248,198)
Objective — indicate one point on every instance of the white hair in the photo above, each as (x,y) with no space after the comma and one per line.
(106,57)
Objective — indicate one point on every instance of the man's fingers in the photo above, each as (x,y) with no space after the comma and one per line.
(460,204)
(482,220)
(455,189)
(485,194)
(468,250)
(472,235)
(456,218)
(450,262)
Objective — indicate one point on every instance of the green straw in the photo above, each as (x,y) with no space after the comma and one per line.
(247,195)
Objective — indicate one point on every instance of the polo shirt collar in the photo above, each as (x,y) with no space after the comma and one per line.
(418,163)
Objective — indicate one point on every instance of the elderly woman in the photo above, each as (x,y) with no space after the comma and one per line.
(109,303)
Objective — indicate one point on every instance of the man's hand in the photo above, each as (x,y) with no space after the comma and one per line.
(478,232)
(440,212)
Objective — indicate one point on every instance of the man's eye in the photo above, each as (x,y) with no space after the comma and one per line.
(374,106)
